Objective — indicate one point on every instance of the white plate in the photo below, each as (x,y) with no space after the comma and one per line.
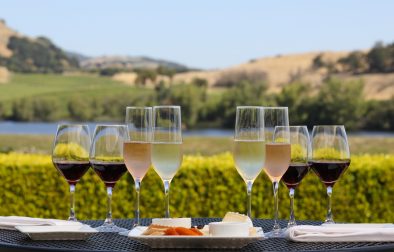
(193,241)
(46,233)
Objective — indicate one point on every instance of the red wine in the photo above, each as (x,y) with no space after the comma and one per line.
(294,174)
(109,173)
(329,171)
(72,170)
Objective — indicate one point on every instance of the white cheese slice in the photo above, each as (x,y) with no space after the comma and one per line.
(173,222)
(237,217)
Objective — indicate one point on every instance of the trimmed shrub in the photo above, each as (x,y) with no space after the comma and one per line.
(204,186)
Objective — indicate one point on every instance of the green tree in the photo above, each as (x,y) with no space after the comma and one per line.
(46,109)
(318,61)
(36,56)
(298,98)
(79,109)
(166,71)
(2,111)
(338,103)
(355,62)
(380,115)
(380,59)
(243,93)
(143,75)
(22,110)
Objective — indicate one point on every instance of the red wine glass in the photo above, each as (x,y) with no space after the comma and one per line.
(330,157)
(299,163)
(70,155)
(106,158)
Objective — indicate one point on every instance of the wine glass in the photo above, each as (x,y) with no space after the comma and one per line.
(299,164)
(278,153)
(330,157)
(70,155)
(106,158)
(167,146)
(137,151)
(249,150)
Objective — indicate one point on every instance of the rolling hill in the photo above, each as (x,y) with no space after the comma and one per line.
(284,69)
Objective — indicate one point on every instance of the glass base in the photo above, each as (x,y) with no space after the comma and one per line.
(277,233)
(110,228)
(124,233)
(291,224)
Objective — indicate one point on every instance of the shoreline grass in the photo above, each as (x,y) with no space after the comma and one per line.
(196,145)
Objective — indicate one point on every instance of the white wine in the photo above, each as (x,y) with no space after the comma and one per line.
(137,158)
(277,161)
(249,158)
(166,159)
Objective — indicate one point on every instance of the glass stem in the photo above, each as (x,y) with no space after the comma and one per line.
(276,228)
(292,221)
(329,218)
(167,197)
(72,204)
(108,220)
(249,185)
(137,202)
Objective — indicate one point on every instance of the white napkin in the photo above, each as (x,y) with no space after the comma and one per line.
(342,233)
(10,222)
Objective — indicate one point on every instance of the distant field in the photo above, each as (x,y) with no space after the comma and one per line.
(192,145)
(61,86)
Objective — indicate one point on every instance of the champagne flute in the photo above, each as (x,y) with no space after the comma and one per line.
(70,155)
(137,151)
(106,158)
(330,157)
(277,157)
(299,164)
(167,146)
(249,150)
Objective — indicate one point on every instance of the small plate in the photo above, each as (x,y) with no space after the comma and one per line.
(193,241)
(46,233)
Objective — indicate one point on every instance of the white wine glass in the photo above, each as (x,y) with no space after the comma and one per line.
(278,153)
(137,151)
(249,146)
(167,146)
(70,155)
(299,164)
(106,158)
(330,157)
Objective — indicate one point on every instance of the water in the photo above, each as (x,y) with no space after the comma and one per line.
(44,128)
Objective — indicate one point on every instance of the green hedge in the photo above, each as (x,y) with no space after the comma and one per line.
(204,186)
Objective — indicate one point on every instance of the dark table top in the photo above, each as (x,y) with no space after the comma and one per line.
(17,242)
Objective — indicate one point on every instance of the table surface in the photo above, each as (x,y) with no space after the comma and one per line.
(16,241)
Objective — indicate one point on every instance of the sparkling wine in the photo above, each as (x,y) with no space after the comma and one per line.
(329,171)
(109,172)
(249,158)
(294,174)
(166,159)
(72,170)
(277,160)
(137,157)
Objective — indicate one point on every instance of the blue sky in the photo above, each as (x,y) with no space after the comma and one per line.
(203,33)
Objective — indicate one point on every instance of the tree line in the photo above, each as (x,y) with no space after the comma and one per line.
(336,102)
(379,59)
(36,56)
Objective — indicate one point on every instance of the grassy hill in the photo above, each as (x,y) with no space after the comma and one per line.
(62,88)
